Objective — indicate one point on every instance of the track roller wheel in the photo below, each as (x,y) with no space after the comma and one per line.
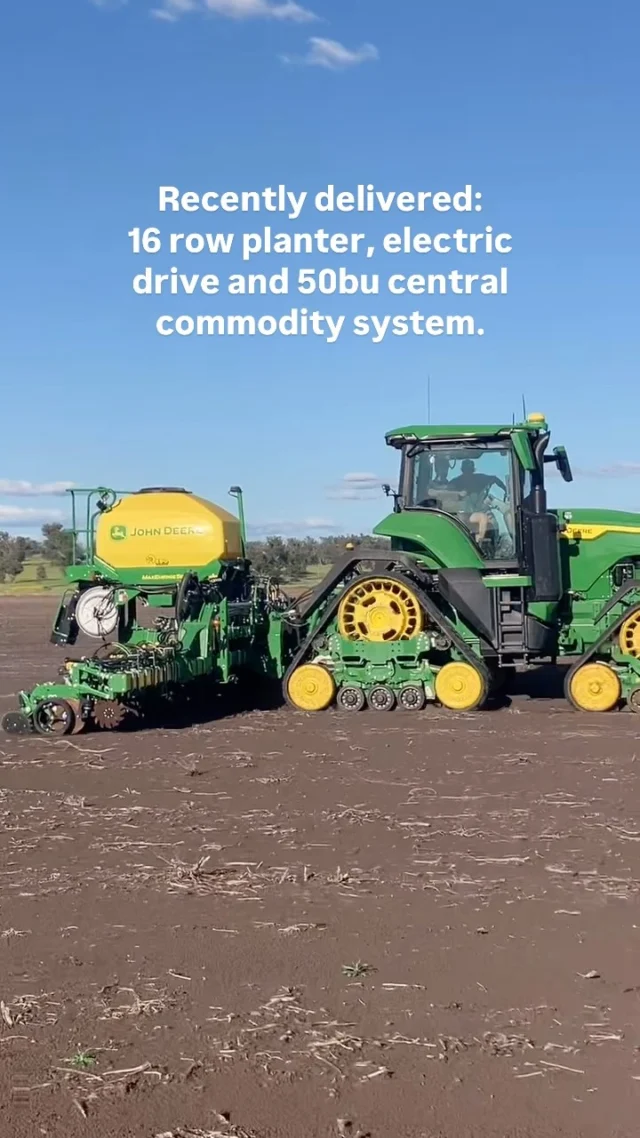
(311,688)
(380,610)
(351,699)
(412,698)
(629,635)
(594,687)
(54,717)
(381,698)
(108,713)
(633,701)
(460,686)
(16,723)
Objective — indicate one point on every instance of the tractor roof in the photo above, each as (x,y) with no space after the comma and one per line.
(533,424)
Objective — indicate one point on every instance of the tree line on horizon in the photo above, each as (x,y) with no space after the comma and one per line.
(284,559)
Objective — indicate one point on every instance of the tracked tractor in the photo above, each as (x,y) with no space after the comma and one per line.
(481,578)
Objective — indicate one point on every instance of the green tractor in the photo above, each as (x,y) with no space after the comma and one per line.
(481,578)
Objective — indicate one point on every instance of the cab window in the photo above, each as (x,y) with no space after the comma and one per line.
(472,484)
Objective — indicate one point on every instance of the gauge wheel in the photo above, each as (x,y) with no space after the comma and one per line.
(54,717)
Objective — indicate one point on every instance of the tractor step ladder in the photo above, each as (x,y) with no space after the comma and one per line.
(511,612)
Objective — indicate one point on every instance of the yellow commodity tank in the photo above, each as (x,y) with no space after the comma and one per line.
(159,533)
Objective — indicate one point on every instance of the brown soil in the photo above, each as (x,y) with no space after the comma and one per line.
(293,926)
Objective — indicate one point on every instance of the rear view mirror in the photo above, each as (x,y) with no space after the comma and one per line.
(563,464)
(561,460)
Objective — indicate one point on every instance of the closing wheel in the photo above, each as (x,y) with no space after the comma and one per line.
(629,636)
(381,698)
(54,717)
(594,687)
(311,688)
(460,687)
(412,698)
(16,723)
(351,699)
(380,610)
(108,714)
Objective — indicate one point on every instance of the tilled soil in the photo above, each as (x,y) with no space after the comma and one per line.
(402,926)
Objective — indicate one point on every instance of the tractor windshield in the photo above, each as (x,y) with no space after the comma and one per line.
(472,483)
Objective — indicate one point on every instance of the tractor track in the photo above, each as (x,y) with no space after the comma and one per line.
(424,926)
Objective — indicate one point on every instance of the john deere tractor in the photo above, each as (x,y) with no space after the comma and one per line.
(481,577)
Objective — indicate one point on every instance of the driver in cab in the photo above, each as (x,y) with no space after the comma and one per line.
(474,488)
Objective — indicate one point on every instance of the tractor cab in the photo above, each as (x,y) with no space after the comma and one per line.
(475,497)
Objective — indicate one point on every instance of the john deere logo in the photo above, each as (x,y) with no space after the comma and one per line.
(118,533)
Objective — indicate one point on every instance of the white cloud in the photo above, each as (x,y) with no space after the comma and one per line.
(26,516)
(291,529)
(614,470)
(362,479)
(333,55)
(19,489)
(356,488)
(109,4)
(172,10)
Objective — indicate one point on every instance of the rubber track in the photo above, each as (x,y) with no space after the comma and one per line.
(429,609)
(606,635)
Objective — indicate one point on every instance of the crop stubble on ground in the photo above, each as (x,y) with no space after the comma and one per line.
(279,925)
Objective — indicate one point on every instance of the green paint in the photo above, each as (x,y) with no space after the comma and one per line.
(441,542)
(458,431)
(506,581)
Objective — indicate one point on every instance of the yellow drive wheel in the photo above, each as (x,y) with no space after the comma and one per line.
(594,687)
(629,638)
(380,610)
(460,686)
(311,688)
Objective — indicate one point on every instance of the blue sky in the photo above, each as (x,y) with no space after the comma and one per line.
(535,105)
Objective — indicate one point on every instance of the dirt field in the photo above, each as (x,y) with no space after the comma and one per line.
(294,926)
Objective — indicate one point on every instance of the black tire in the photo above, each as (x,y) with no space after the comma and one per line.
(54,717)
